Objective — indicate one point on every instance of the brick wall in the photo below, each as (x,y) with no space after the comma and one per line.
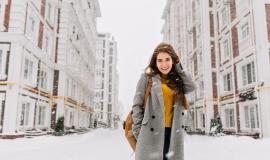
(232,9)
(235,46)
(211,21)
(214,82)
(213,55)
(7,16)
(235,78)
(210,3)
(43,7)
(267,10)
(41,25)
(40,35)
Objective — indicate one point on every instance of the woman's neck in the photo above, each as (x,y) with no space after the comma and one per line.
(164,76)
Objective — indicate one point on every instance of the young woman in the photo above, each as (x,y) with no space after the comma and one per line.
(159,129)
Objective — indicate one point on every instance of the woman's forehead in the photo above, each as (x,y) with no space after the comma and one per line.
(162,55)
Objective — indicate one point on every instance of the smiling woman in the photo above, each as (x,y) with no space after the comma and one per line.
(159,128)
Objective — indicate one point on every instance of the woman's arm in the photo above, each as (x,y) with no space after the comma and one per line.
(189,84)
(137,108)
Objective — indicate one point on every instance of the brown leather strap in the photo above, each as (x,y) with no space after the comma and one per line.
(148,89)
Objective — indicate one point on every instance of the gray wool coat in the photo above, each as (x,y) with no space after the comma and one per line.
(149,127)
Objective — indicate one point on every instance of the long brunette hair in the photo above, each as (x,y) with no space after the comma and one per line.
(175,82)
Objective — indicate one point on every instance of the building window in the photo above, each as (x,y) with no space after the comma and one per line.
(109,107)
(49,11)
(43,79)
(28,70)
(227,79)
(111,51)
(224,17)
(200,91)
(201,118)
(47,42)
(244,31)
(110,98)
(41,113)
(229,118)
(2,102)
(32,24)
(4,49)
(89,5)
(248,73)
(104,43)
(111,60)
(195,64)
(110,69)
(103,64)
(1,17)
(110,88)
(24,118)
(251,117)
(226,50)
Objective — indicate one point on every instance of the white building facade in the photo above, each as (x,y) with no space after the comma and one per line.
(42,49)
(106,103)
(75,76)
(27,42)
(225,45)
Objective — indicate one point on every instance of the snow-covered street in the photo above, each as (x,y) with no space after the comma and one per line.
(105,144)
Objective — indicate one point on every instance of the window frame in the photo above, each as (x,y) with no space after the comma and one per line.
(246,125)
(4,49)
(225,121)
(225,81)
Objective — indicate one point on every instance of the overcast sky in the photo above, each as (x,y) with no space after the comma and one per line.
(136,26)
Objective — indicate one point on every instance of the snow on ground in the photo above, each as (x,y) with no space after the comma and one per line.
(106,144)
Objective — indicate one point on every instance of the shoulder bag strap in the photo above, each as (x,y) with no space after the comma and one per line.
(148,89)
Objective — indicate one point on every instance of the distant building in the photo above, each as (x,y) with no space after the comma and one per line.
(224,44)
(106,103)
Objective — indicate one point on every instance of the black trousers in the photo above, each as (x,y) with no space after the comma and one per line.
(167,139)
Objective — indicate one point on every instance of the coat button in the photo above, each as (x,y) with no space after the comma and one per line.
(183,126)
(183,113)
(151,129)
(153,117)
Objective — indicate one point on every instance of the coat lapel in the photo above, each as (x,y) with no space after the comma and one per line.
(158,90)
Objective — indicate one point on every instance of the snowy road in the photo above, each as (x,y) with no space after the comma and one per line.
(104,144)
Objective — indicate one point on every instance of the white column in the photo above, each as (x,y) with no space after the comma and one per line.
(12,96)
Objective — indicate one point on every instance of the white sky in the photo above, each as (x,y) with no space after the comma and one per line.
(136,26)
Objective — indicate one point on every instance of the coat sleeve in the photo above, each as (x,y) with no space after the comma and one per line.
(137,106)
(189,84)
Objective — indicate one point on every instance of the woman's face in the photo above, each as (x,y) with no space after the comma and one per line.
(164,62)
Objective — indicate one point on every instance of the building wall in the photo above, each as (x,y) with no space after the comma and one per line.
(76,61)
(47,59)
(232,37)
(26,48)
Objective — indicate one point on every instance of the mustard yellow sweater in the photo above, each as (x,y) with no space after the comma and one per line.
(168,95)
